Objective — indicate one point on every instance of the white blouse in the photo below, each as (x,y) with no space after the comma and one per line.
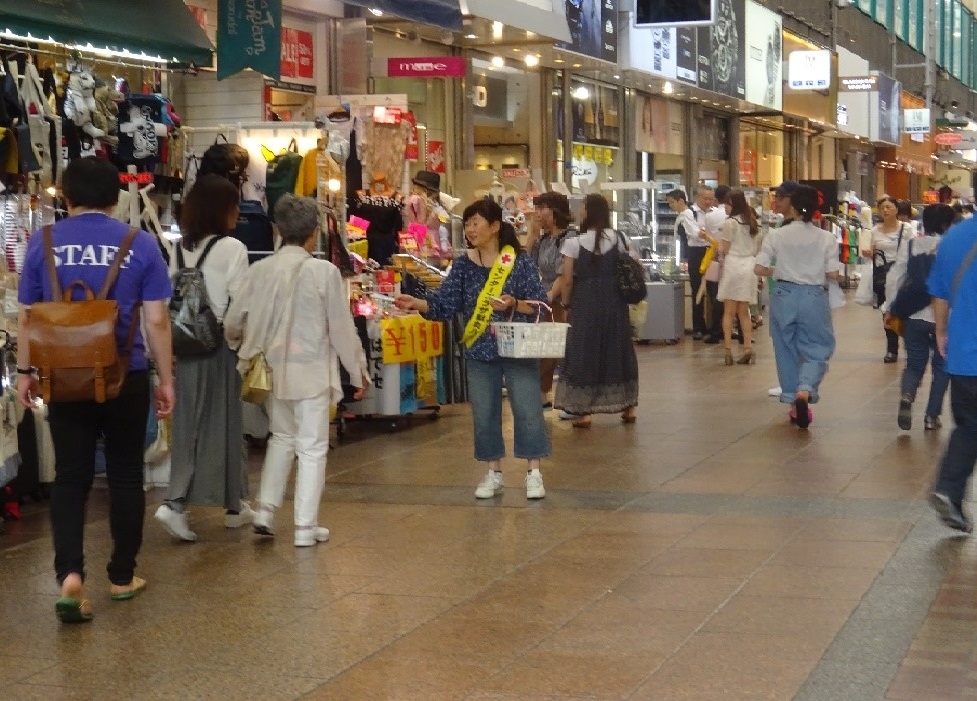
(804,253)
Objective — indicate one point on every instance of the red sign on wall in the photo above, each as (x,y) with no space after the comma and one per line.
(435,160)
(434,67)
(412,152)
(298,54)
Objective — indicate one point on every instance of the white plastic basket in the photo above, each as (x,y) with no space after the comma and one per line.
(519,339)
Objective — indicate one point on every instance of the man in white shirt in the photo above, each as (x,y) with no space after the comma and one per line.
(713,221)
(697,247)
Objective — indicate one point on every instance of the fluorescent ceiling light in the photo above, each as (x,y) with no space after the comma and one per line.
(532,60)
(376,12)
(581,93)
(498,61)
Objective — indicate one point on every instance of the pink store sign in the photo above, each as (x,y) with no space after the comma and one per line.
(433,67)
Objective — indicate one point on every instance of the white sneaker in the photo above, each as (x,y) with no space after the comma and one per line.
(567,416)
(490,485)
(176,524)
(263,521)
(774,392)
(534,485)
(241,518)
(306,536)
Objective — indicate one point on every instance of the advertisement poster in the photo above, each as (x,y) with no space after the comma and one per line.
(672,54)
(888,122)
(686,55)
(412,152)
(298,55)
(721,55)
(435,159)
(660,126)
(593,28)
(595,118)
(764,67)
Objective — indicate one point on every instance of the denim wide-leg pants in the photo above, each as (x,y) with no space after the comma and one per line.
(485,382)
(803,337)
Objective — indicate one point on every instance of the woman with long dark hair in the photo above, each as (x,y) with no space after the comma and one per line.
(738,245)
(208,466)
(800,316)
(494,280)
(600,370)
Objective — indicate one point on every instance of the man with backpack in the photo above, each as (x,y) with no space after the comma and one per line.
(953,285)
(79,255)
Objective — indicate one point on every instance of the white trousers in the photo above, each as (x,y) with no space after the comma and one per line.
(299,428)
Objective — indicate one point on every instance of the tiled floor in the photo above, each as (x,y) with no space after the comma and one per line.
(710,551)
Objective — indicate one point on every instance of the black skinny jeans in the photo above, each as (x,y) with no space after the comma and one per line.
(75,426)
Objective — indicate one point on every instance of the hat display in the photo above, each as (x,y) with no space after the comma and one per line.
(428,179)
(786,188)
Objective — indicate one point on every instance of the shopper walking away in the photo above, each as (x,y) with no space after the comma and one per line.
(800,317)
(953,284)
(779,205)
(600,370)
(86,243)
(294,310)
(886,238)
(739,244)
(493,281)
(207,456)
(919,329)
(705,198)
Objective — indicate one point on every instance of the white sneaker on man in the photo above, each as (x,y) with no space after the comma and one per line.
(241,518)
(175,523)
(490,485)
(567,416)
(534,485)
(306,536)
(774,392)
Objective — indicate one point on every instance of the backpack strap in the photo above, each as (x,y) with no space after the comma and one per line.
(52,270)
(203,256)
(120,256)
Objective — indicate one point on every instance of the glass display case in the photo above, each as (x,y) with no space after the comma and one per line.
(637,213)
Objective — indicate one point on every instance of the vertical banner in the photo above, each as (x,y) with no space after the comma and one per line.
(249,35)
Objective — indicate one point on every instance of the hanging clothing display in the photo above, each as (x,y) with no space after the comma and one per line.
(383,211)
(384,149)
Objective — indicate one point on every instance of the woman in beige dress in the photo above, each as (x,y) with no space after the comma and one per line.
(738,245)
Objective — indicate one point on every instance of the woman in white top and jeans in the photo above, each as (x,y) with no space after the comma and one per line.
(295,310)
(886,239)
(207,459)
(800,317)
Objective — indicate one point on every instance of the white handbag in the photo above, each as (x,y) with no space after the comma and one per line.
(865,295)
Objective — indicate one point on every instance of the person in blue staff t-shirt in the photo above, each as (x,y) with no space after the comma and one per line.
(85,245)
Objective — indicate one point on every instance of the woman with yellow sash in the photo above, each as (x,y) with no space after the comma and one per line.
(493,281)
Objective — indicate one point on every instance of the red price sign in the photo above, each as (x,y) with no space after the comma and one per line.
(435,156)
(412,152)
(139,178)
(298,57)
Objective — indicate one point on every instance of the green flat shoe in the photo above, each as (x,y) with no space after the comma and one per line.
(71,610)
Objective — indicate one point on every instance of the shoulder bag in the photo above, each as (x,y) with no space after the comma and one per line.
(630,275)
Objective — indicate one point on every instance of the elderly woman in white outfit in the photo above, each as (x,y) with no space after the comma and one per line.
(295,310)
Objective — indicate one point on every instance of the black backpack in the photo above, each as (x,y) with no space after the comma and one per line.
(196,331)
(254,229)
(914,294)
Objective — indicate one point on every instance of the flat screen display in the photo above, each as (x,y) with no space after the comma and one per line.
(672,13)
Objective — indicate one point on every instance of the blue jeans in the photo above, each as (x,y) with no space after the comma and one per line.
(803,337)
(920,339)
(485,382)
(957,465)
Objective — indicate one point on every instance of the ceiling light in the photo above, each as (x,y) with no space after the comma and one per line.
(558,60)
(668,88)
(532,60)
(497,29)
(376,12)
(471,36)
(498,61)
(617,77)
(577,65)
(581,93)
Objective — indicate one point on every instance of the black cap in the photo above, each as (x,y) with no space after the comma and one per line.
(786,188)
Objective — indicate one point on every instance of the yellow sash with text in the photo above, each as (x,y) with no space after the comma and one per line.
(482,316)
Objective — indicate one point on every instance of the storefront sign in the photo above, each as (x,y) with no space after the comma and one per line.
(298,54)
(858,83)
(949,138)
(435,159)
(584,171)
(593,28)
(809,70)
(436,67)
(842,115)
(764,67)
(249,36)
(916,121)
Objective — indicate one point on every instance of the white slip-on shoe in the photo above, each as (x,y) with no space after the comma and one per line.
(490,485)
(534,485)
(306,536)
(175,523)
(263,520)
(241,518)
(774,392)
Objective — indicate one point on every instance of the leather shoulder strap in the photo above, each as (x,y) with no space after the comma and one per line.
(120,257)
(52,270)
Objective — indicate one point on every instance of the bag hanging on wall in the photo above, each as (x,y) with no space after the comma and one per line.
(630,275)
(281,176)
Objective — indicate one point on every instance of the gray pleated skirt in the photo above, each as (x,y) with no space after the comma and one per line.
(209,466)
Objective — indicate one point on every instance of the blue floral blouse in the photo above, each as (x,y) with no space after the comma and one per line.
(460,289)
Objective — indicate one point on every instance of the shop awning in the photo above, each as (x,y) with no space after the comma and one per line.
(164,28)
(439,13)
(546,18)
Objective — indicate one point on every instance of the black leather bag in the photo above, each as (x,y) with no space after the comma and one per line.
(630,275)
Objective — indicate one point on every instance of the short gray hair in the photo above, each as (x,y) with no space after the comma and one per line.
(297,218)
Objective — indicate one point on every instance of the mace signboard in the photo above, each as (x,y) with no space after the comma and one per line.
(433,67)
(916,121)
(809,70)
